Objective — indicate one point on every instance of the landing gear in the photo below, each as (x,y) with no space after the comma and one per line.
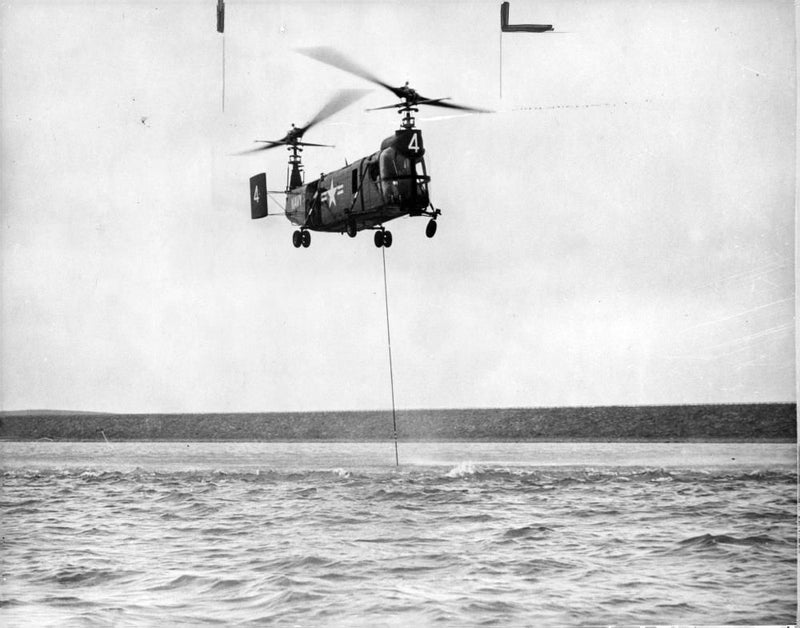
(301,237)
(351,229)
(383,238)
(430,230)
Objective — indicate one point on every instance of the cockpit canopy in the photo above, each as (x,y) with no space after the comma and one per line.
(404,180)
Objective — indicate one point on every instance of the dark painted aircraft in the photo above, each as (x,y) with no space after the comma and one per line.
(390,183)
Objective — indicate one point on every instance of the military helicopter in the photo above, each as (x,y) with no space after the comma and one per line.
(390,183)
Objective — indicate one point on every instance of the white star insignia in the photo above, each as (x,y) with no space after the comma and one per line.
(330,195)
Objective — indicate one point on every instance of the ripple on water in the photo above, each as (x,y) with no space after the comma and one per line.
(465,543)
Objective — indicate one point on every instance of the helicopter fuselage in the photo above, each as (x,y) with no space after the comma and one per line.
(385,185)
(390,183)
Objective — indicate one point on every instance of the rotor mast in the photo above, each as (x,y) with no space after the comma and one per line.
(409,105)
(406,110)
(294,173)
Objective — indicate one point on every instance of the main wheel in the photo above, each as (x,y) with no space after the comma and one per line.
(387,239)
(430,230)
(379,239)
(351,229)
(305,238)
(297,239)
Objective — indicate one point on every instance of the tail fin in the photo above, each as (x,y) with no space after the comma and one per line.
(258,196)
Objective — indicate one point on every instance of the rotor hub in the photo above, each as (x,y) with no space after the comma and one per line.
(408,120)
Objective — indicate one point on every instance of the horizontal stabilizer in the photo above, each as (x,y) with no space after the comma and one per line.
(258,196)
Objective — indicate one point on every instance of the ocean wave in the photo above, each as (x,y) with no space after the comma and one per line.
(81,576)
(527,532)
(711,540)
(542,476)
(180,582)
(454,544)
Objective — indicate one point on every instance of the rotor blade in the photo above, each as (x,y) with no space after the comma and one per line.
(260,148)
(310,144)
(329,56)
(437,102)
(429,101)
(340,100)
(394,106)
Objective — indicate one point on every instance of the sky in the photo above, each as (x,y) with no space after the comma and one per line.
(619,231)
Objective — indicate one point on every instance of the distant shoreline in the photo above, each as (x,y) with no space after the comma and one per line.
(689,423)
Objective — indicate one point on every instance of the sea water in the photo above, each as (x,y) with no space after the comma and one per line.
(334,534)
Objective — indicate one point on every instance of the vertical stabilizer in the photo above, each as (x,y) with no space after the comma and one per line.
(258,196)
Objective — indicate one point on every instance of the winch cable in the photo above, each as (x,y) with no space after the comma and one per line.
(389,342)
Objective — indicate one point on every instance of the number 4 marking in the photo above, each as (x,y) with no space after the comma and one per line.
(255,195)
(413,144)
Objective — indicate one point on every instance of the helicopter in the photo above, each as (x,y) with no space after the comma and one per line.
(390,183)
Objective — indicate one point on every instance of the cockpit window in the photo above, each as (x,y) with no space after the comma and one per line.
(394,164)
(403,179)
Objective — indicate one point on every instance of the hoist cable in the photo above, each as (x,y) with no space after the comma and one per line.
(391,373)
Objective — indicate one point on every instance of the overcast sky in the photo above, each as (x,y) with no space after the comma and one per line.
(637,251)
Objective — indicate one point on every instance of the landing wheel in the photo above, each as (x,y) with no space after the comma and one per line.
(297,239)
(305,238)
(351,229)
(379,239)
(430,230)
(387,239)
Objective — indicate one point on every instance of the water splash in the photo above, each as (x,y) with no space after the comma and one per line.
(463,469)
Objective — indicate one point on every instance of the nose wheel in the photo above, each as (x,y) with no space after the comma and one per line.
(301,237)
(383,238)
